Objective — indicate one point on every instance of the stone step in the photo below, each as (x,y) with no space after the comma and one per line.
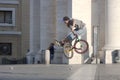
(47,72)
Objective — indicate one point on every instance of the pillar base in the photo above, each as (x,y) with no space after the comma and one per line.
(76,59)
(30,57)
(47,57)
(108,56)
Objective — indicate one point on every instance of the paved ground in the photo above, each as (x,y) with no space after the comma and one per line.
(60,72)
(108,72)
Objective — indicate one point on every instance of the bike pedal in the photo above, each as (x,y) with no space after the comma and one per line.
(78,39)
(70,49)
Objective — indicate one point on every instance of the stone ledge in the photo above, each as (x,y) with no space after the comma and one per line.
(10,32)
(9,2)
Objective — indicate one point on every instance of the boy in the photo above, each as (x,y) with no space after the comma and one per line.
(77,27)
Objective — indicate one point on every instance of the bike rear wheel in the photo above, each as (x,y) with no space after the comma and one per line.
(68,51)
(81,46)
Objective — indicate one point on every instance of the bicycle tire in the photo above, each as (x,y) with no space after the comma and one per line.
(79,50)
(68,51)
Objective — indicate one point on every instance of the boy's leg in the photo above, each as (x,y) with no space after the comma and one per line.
(62,42)
(69,38)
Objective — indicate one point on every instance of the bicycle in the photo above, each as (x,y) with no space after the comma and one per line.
(78,45)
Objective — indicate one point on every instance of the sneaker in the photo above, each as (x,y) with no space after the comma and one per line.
(57,43)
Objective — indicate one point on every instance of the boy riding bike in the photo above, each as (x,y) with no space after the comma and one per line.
(77,28)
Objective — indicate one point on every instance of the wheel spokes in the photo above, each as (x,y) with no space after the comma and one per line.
(81,46)
(68,51)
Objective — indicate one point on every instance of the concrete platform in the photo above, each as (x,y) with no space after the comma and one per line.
(108,72)
(60,72)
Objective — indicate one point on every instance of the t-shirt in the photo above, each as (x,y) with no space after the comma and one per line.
(78,24)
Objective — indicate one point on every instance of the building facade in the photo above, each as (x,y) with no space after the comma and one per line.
(14,29)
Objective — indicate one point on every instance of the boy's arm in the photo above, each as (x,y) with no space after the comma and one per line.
(73,27)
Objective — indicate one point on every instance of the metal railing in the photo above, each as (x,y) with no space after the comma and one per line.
(13,61)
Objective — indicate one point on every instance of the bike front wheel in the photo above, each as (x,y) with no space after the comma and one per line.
(81,46)
(68,51)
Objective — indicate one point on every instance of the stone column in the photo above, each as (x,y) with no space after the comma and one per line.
(61,11)
(112,28)
(47,23)
(30,52)
(34,29)
(61,29)
(47,26)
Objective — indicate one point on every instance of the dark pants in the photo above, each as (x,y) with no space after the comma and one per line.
(51,57)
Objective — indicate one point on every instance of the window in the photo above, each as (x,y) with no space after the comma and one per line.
(7,16)
(5,48)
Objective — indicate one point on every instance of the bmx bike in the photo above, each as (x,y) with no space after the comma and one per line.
(77,45)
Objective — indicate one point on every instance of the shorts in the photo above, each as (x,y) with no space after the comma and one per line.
(80,32)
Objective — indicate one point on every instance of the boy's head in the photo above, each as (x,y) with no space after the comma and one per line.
(66,19)
(52,44)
